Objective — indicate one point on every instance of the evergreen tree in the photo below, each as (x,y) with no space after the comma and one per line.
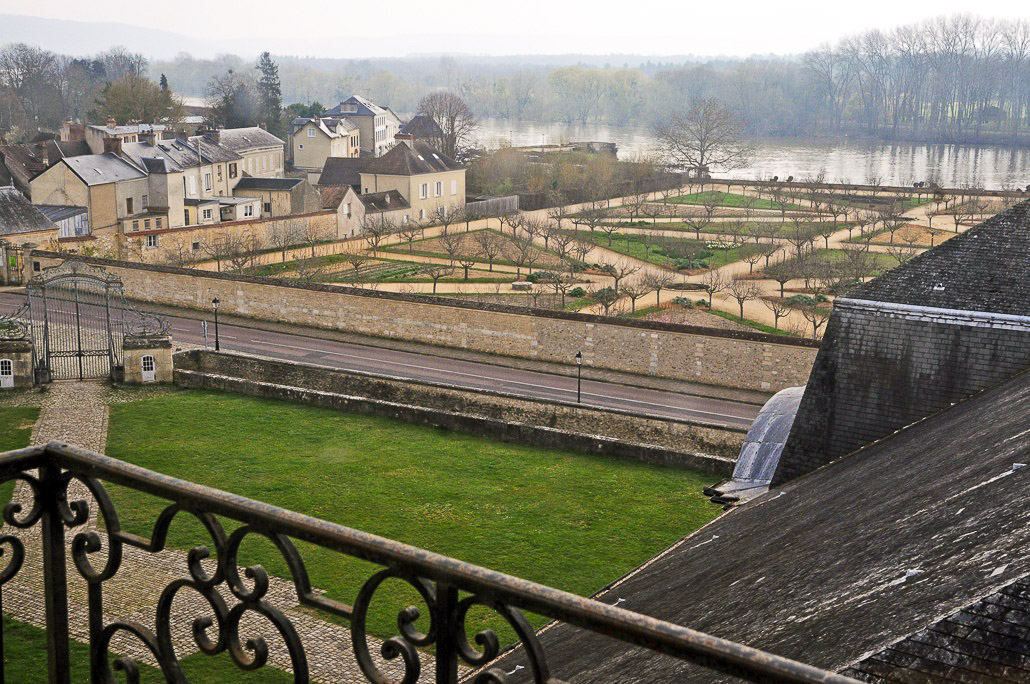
(164,83)
(270,99)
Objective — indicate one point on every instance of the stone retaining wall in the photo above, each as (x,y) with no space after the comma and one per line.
(495,415)
(726,358)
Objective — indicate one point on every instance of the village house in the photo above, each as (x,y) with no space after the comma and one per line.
(280,196)
(20,163)
(426,179)
(263,154)
(355,212)
(22,222)
(313,141)
(378,125)
(95,135)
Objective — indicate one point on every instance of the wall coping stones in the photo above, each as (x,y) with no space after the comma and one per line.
(980,319)
(449,302)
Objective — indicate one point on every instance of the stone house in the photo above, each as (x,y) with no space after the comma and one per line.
(263,155)
(378,125)
(280,196)
(313,141)
(426,179)
(352,209)
(21,221)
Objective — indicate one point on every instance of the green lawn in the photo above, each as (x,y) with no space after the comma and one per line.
(15,430)
(725,199)
(567,520)
(878,261)
(631,244)
(768,228)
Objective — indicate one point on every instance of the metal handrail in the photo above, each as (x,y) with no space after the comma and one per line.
(438,578)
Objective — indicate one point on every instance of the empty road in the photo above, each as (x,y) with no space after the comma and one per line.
(467,374)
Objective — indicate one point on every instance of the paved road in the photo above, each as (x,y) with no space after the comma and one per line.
(469,374)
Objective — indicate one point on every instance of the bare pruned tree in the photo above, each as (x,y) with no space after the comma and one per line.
(283,235)
(707,135)
(409,232)
(435,272)
(743,290)
(618,270)
(634,291)
(374,227)
(490,246)
(777,307)
(713,281)
(454,119)
(658,281)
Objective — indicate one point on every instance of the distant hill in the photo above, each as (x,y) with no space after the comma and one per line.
(87,38)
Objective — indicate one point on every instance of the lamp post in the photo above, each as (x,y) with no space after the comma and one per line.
(579,373)
(214,303)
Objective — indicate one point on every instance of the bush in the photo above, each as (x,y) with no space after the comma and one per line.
(684,302)
(541,277)
(691,264)
(702,302)
(577,292)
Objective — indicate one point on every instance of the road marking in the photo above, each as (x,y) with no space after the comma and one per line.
(514,382)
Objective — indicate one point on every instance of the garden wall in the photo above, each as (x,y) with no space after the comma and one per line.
(726,358)
(495,415)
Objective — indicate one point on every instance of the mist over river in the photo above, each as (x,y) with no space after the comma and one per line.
(853,161)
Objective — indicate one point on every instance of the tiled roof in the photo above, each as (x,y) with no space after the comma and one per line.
(985,640)
(178,154)
(333,195)
(363,107)
(983,269)
(422,127)
(251,183)
(59,212)
(843,562)
(402,160)
(213,149)
(242,139)
(18,215)
(128,129)
(343,170)
(390,200)
(98,169)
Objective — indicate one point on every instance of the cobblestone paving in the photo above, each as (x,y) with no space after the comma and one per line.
(77,412)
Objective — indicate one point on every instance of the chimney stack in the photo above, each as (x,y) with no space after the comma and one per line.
(113,145)
(406,138)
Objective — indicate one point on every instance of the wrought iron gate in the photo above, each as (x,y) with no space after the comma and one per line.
(77,322)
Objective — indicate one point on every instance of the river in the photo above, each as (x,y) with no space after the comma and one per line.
(853,161)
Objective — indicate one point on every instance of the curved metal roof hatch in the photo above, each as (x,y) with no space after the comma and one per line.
(761,451)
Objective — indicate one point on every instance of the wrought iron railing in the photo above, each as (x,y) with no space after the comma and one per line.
(449,588)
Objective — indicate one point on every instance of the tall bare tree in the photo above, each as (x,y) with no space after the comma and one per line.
(707,135)
(454,118)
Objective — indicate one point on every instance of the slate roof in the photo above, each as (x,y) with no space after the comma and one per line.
(985,640)
(843,562)
(390,200)
(213,150)
(98,169)
(422,126)
(983,269)
(243,139)
(18,215)
(128,129)
(343,171)
(251,183)
(402,160)
(332,195)
(59,212)
(178,154)
(365,107)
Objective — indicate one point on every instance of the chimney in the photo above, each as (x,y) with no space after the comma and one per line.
(148,136)
(111,123)
(113,145)
(406,138)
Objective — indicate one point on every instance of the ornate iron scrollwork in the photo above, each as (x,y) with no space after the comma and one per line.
(14,326)
(230,590)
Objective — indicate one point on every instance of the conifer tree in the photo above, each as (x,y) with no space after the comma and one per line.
(270,100)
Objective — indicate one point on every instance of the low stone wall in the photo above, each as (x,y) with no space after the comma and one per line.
(495,415)
(725,358)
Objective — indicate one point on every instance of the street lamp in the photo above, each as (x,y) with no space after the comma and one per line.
(214,303)
(579,373)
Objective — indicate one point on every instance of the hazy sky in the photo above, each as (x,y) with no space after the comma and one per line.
(398,27)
